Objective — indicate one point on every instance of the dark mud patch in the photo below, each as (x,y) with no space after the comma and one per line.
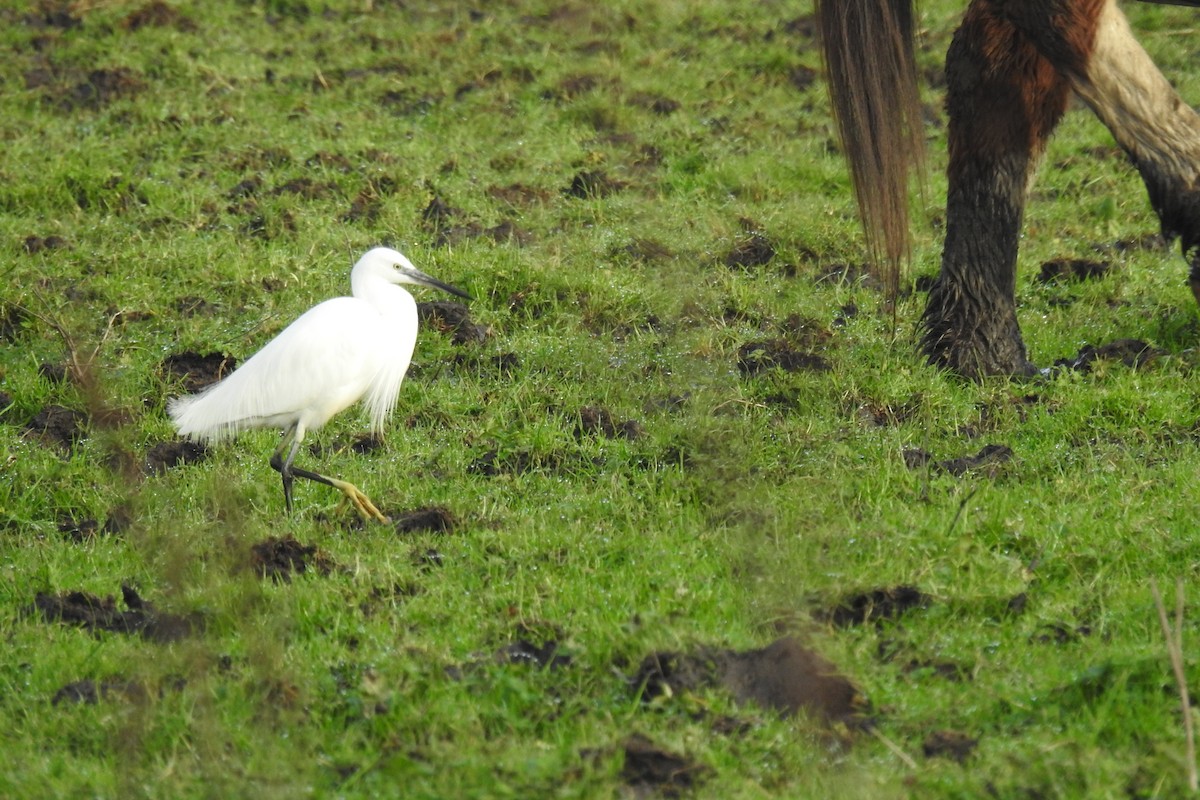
(755,250)
(13,322)
(198,370)
(93,613)
(86,529)
(1060,633)
(988,461)
(157,14)
(307,188)
(953,745)
(874,605)
(278,558)
(433,519)
(759,356)
(99,88)
(450,225)
(652,771)
(452,319)
(597,421)
(58,426)
(542,655)
(1133,353)
(785,676)
(1073,269)
(519,195)
(165,455)
(38,244)
(92,692)
(499,364)
(593,184)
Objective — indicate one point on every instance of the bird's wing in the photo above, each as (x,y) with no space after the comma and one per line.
(314,368)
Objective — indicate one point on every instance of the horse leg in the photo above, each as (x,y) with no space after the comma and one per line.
(1003,100)
(1159,131)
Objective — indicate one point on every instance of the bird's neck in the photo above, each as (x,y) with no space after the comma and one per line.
(390,300)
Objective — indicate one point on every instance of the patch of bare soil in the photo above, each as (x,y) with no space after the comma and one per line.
(307,188)
(502,364)
(785,676)
(453,319)
(873,605)
(1073,269)
(593,184)
(197,370)
(988,461)
(434,519)
(165,455)
(157,14)
(37,244)
(278,558)
(545,655)
(597,421)
(645,251)
(954,745)
(762,355)
(93,91)
(58,426)
(13,320)
(652,771)
(518,195)
(93,613)
(1133,353)
(92,692)
(753,251)
(88,528)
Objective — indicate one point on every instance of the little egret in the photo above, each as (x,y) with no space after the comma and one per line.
(336,353)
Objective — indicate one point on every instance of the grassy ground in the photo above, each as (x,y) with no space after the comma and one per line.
(640,200)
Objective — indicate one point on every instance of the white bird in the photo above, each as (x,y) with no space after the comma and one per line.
(336,353)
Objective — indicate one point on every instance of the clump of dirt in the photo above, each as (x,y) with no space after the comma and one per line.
(93,613)
(307,188)
(165,455)
(655,103)
(1073,269)
(651,771)
(278,558)
(645,251)
(1060,633)
(504,364)
(88,528)
(99,88)
(524,651)
(753,251)
(450,225)
(785,676)
(954,745)
(454,319)
(13,320)
(196,370)
(92,691)
(1133,353)
(36,244)
(759,356)
(192,306)
(434,519)
(157,14)
(988,460)
(593,184)
(58,426)
(518,195)
(594,421)
(873,605)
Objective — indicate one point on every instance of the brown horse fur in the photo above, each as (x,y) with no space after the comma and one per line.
(1010,71)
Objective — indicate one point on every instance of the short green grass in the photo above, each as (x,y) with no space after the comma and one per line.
(236,159)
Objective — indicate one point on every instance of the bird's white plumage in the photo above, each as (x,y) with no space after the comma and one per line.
(336,353)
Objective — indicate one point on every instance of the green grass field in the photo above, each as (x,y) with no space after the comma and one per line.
(678,422)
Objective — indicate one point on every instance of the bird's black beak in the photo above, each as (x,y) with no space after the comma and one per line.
(421,278)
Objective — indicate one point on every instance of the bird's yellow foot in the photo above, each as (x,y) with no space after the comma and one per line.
(360,501)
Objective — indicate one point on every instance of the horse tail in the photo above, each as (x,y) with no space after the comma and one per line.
(872,77)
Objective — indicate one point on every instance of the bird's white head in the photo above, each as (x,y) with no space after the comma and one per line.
(394,267)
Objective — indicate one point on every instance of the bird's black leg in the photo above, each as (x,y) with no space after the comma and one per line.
(291,443)
(283,466)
